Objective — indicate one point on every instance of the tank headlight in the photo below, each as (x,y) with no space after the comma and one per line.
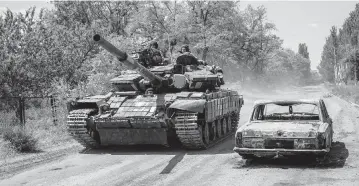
(105,108)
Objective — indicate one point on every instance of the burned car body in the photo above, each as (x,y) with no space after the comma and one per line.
(285,127)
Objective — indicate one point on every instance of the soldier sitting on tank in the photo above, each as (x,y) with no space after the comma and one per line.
(187,59)
(155,54)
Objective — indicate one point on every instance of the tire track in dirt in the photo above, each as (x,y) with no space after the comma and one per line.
(109,175)
(9,169)
(153,166)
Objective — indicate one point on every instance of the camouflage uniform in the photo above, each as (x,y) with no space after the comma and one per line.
(190,60)
(155,54)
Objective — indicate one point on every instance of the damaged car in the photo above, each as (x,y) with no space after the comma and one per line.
(285,127)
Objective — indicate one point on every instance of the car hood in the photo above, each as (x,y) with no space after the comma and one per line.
(283,129)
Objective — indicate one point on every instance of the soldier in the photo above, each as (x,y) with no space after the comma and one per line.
(185,50)
(190,60)
(155,54)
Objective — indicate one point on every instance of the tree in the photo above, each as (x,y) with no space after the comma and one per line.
(35,53)
(340,48)
(203,17)
(288,67)
(159,21)
(328,66)
(58,46)
(103,16)
(257,43)
(303,50)
(18,53)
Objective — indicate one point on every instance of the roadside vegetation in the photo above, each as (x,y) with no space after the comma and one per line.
(340,58)
(21,139)
(347,92)
(48,52)
(37,135)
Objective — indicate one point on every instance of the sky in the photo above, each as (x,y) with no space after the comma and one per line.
(21,6)
(296,21)
(305,22)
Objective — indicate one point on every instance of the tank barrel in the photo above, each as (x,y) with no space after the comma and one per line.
(127,60)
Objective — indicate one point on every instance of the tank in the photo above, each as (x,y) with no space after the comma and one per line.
(163,105)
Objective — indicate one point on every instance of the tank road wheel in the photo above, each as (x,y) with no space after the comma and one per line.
(224,126)
(192,131)
(77,126)
(213,131)
(219,128)
(229,124)
(94,135)
(205,133)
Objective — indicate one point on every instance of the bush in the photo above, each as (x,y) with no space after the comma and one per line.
(20,139)
(349,92)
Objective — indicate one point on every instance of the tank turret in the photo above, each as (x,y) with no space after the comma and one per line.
(185,74)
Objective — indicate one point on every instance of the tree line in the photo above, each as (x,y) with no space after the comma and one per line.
(53,51)
(340,56)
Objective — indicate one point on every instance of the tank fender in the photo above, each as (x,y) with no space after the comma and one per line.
(189,105)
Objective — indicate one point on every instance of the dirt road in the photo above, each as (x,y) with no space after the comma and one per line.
(216,166)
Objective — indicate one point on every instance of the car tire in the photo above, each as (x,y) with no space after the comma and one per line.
(330,142)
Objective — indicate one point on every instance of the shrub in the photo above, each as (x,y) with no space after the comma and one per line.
(350,92)
(8,119)
(20,139)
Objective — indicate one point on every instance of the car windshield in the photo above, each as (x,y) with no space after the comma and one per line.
(294,111)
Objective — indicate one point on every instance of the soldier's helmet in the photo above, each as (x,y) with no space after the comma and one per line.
(185,48)
(149,91)
(154,44)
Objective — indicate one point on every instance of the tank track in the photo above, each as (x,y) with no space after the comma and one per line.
(187,130)
(77,127)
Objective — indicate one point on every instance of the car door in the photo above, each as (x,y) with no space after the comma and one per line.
(327,119)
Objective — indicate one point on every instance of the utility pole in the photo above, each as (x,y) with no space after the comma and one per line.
(355,65)
(170,47)
(355,43)
(336,68)
(21,110)
(54,103)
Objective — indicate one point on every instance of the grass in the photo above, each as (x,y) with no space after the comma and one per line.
(348,92)
(39,132)
(20,139)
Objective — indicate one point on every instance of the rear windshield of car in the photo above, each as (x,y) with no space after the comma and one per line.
(298,111)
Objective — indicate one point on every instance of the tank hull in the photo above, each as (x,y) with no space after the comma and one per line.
(195,119)
(182,102)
